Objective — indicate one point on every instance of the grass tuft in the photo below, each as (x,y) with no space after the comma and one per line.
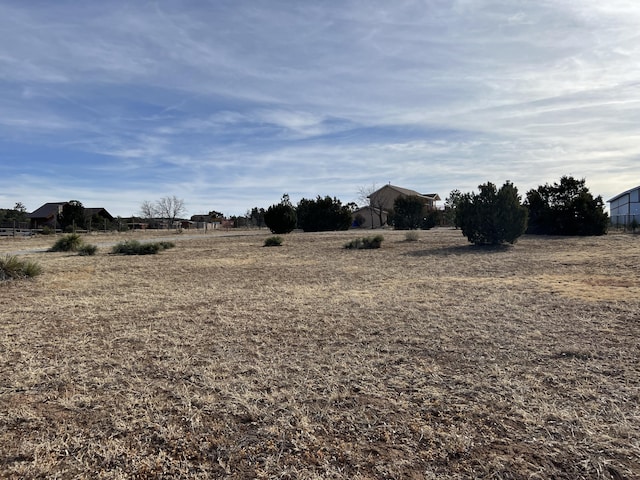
(11,267)
(68,243)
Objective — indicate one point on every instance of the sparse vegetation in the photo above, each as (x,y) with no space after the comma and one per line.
(67,243)
(166,245)
(365,243)
(134,247)
(274,241)
(12,267)
(87,249)
(73,242)
(422,360)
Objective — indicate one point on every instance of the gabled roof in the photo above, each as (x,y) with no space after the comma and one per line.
(367,208)
(408,192)
(90,212)
(622,194)
(47,210)
(433,196)
(51,209)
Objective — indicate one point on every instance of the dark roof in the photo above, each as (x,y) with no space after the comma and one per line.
(90,212)
(622,194)
(47,210)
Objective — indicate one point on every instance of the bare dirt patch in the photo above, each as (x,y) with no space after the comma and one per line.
(223,359)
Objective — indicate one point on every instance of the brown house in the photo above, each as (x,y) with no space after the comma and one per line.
(381,201)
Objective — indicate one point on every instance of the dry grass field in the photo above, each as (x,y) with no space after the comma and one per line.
(221,358)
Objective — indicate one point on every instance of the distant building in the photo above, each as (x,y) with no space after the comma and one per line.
(625,207)
(381,202)
(206,222)
(48,215)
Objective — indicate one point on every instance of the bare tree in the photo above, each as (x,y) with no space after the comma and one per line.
(147,210)
(364,198)
(170,208)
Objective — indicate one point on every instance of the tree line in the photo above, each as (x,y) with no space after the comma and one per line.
(495,216)
(490,216)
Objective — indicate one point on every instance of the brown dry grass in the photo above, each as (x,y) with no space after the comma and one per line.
(223,359)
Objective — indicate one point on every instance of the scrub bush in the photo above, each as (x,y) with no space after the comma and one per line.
(365,243)
(11,267)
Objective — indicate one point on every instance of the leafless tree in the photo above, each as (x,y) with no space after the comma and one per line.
(170,208)
(147,210)
(364,199)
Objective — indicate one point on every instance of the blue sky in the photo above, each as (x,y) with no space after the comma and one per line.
(230,104)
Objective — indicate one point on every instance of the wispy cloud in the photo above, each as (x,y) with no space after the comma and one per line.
(234,103)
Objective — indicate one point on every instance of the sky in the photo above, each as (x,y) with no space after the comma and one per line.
(230,104)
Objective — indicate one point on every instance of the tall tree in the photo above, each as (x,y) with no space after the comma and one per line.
(147,210)
(281,217)
(566,208)
(492,216)
(408,212)
(323,214)
(376,207)
(170,208)
(72,215)
(256,217)
(450,205)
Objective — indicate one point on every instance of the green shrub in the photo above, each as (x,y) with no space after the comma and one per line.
(492,217)
(11,267)
(365,243)
(281,218)
(273,241)
(87,249)
(46,230)
(566,208)
(134,247)
(68,243)
(323,215)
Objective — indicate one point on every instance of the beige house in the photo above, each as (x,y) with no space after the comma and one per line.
(375,214)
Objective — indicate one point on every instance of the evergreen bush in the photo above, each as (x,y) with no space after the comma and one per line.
(134,247)
(281,218)
(492,216)
(566,208)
